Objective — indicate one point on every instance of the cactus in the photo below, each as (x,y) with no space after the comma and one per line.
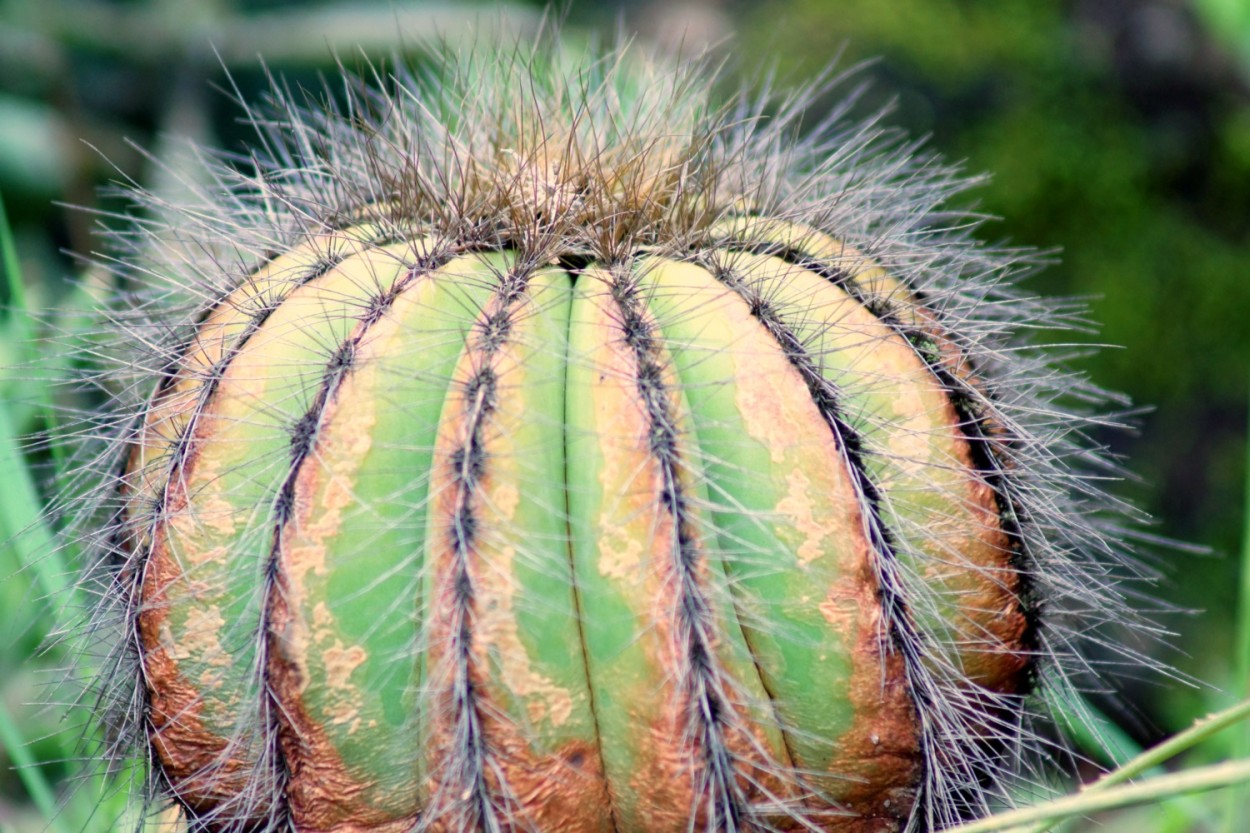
(538,446)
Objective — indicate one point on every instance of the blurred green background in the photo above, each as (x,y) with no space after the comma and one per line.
(1116,131)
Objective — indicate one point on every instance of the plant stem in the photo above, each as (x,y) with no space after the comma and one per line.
(1090,800)
(32,777)
(1239,799)
(1095,796)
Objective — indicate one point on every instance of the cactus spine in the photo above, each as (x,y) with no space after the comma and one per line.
(545,449)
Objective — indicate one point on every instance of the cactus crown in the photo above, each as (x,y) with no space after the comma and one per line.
(979,553)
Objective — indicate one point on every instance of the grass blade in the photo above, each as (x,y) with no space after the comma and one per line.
(23,525)
(1239,799)
(32,777)
(1088,801)
(22,330)
(1108,793)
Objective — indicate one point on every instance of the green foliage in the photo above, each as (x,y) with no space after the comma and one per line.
(1229,20)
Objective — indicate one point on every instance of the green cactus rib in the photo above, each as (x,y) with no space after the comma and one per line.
(448,541)
(989,443)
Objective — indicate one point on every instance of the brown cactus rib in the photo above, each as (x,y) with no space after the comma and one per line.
(720,803)
(988,445)
(207,775)
(311,778)
(905,641)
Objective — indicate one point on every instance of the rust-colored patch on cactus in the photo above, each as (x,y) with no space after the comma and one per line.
(671,781)
(208,771)
(627,473)
(321,791)
(665,779)
(771,413)
(562,791)
(760,781)
(797,505)
(497,631)
(877,765)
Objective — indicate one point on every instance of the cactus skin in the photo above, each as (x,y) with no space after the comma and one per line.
(591,460)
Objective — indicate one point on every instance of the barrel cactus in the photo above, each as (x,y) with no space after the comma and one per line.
(538,445)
